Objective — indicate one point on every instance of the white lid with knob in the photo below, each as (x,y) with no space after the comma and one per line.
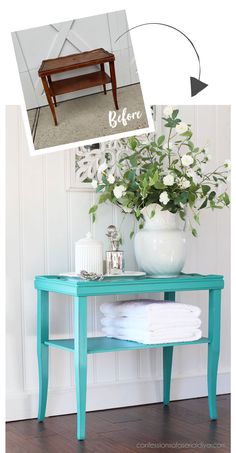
(89,241)
(89,255)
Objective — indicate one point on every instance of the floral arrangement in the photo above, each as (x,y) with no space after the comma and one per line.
(170,171)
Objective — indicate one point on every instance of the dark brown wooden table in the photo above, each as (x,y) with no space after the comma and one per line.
(58,65)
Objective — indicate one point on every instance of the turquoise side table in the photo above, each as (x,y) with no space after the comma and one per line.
(81,345)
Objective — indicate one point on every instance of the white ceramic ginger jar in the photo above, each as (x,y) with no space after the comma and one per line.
(89,255)
(160,247)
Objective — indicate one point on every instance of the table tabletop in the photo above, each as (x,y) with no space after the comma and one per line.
(75,286)
(74,61)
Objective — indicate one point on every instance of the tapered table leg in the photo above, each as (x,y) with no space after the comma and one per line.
(42,351)
(113,83)
(167,362)
(104,86)
(80,360)
(213,349)
(51,87)
(47,92)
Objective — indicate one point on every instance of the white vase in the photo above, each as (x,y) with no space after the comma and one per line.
(160,247)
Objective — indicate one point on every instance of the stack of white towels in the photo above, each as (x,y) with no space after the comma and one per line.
(151,322)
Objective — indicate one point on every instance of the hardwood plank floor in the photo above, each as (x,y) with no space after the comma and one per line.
(127,430)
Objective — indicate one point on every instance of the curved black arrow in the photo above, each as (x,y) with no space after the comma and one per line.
(196,84)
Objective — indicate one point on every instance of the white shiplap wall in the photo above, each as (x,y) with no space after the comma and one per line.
(43,222)
(51,41)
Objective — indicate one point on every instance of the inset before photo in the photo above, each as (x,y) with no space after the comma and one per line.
(79,80)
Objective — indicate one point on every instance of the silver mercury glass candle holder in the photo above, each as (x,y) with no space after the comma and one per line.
(114,257)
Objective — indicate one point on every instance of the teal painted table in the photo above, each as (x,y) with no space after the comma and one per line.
(81,345)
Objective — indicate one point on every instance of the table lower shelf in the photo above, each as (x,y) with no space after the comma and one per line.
(104,344)
(79,82)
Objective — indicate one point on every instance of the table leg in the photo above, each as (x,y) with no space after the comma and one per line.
(113,83)
(51,87)
(104,86)
(213,349)
(47,92)
(167,362)
(80,360)
(42,350)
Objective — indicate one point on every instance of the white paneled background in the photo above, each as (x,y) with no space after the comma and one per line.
(51,41)
(43,222)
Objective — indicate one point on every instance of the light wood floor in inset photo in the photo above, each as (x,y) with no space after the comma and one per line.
(86,117)
(137,429)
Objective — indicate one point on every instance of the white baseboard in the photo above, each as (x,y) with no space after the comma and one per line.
(20,406)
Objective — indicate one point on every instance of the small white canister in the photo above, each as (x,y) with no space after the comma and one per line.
(89,255)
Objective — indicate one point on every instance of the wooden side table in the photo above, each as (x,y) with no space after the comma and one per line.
(81,345)
(70,62)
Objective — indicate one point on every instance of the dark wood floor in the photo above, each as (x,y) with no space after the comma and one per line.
(128,430)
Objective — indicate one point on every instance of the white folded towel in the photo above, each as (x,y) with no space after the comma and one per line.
(164,336)
(157,323)
(148,308)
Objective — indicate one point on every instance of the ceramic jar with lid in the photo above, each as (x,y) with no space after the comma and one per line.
(89,255)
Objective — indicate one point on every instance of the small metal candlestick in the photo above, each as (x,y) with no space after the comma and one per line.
(114,256)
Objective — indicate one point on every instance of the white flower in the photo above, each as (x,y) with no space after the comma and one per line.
(186,160)
(168,110)
(127,210)
(168,180)
(164,198)
(111,179)
(119,191)
(184,183)
(102,167)
(165,146)
(227,164)
(94,183)
(181,127)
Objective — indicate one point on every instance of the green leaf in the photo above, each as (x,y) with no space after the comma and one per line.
(197,218)
(212,195)
(204,204)
(159,185)
(93,217)
(190,145)
(104,197)
(138,213)
(182,197)
(133,160)
(100,188)
(163,156)
(191,198)
(205,189)
(93,209)
(175,113)
(133,142)
(187,134)
(160,140)
(182,215)
(194,232)
(226,199)
(131,234)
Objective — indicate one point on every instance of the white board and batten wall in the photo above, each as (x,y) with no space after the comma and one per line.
(43,223)
(79,35)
